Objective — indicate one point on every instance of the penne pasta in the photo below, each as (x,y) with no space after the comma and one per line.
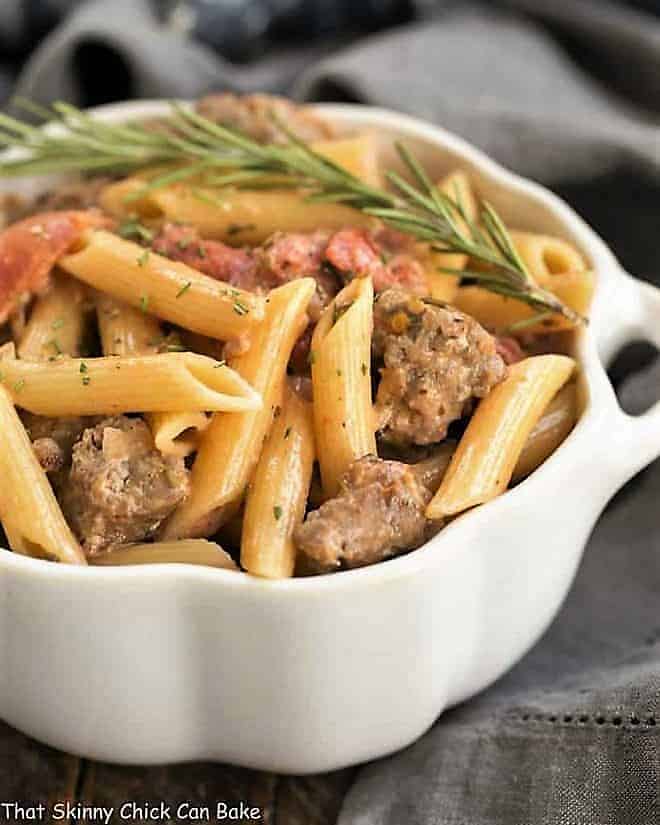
(256,215)
(57,323)
(443,286)
(556,266)
(230,447)
(167,289)
(191,551)
(575,289)
(243,216)
(29,511)
(358,155)
(125,330)
(177,433)
(106,386)
(277,496)
(551,430)
(341,376)
(546,256)
(484,461)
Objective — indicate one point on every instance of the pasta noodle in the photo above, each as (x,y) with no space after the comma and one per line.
(229,449)
(341,376)
(486,456)
(106,386)
(546,256)
(57,322)
(177,433)
(125,330)
(257,214)
(358,155)
(277,495)
(240,216)
(551,430)
(167,289)
(556,266)
(192,551)
(575,289)
(29,510)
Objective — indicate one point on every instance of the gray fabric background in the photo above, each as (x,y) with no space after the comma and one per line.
(569,94)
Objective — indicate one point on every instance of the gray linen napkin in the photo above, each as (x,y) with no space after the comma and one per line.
(568,93)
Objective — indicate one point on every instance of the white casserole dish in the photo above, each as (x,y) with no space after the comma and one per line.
(170,663)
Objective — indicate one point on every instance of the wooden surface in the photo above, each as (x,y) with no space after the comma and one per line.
(32,773)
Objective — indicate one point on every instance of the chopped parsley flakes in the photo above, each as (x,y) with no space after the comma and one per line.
(132,229)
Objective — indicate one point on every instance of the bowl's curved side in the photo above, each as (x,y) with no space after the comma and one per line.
(186,664)
(174,663)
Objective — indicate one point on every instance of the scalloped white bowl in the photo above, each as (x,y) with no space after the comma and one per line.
(172,662)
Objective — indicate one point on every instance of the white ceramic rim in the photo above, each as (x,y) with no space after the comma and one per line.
(440,549)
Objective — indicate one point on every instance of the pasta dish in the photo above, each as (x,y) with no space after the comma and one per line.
(233,339)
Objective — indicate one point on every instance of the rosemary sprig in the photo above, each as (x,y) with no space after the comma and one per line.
(198,147)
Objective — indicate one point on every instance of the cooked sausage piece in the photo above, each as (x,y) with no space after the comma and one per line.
(82,193)
(234,265)
(287,256)
(387,256)
(509,348)
(378,513)
(253,116)
(436,360)
(53,438)
(120,487)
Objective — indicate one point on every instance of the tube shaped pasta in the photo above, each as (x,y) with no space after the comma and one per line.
(176,381)
(57,322)
(230,447)
(358,155)
(218,214)
(442,285)
(168,289)
(249,217)
(575,289)
(488,452)
(125,330)
(550,431)
(29,510)
(277,495)
(177,433)
(191,551)
(555,265)
(341,357)
(545,255)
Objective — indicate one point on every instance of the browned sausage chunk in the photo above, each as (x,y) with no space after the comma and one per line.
(253,116)
(53,438)
(378,513)
(436,360)
(120,487)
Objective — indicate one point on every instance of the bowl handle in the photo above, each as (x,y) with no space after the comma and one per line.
(641,433)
